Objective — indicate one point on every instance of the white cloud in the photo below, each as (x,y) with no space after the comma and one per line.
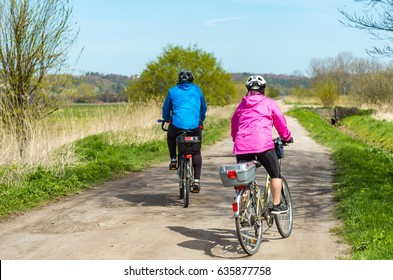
(214,22)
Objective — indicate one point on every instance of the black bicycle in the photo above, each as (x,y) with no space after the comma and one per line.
(187,146)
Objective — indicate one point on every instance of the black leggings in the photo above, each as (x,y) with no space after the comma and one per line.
(171,140)
(268,159)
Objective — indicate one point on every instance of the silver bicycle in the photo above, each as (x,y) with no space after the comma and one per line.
(252,204)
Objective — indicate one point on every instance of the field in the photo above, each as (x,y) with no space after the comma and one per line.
(52,140)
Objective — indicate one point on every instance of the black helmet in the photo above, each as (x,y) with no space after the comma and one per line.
(255,82)
(186,76)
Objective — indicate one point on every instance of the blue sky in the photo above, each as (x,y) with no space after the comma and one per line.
(259,36)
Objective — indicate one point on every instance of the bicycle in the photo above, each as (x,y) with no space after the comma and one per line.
(251,207)
(187,145)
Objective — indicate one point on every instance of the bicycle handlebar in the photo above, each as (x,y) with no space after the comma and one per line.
(285,143)
(163,122)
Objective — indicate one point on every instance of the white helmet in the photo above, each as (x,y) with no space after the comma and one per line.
(255,82)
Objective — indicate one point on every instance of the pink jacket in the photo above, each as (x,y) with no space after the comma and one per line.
(252,124)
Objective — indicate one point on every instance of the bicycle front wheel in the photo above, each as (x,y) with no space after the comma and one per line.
(248,226)
(284,221)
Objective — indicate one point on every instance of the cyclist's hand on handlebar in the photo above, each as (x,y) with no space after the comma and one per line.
(289,141)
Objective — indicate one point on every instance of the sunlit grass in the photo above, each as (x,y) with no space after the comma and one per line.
(363,180)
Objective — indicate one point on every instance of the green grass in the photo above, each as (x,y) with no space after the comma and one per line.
(375,133)
(101,159)
(363,181)
(83,110)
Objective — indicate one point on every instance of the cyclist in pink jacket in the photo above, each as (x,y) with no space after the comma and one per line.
(251,130)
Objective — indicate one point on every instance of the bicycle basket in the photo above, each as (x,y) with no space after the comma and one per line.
(279,147)
(188,145)
(239,174)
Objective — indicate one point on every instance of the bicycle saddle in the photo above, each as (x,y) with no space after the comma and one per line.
(257,163)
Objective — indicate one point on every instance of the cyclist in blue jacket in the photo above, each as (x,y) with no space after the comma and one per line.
(185,108)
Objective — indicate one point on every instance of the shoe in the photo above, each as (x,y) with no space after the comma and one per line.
(279,209)
(196,186)
(173,164)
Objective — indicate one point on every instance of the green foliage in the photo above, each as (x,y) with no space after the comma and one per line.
(95,87)
(300,92)
(35,38)
(215,130)
(160,75)
(326,91)
(272,92)
(363,186)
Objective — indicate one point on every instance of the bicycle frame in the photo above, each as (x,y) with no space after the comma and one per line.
(261,200)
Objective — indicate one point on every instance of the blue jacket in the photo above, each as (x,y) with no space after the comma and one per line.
(185,106)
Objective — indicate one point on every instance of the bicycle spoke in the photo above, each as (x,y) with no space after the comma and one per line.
(187,183)
(284,221)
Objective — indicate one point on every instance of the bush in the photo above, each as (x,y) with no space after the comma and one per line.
(326,91)
(160,75)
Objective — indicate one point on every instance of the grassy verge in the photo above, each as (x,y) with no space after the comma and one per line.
(363,181)
(375,133)
(101,157)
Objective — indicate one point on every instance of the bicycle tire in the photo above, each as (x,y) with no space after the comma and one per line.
(248,228)
(187,185)
(284,222)
(181,177)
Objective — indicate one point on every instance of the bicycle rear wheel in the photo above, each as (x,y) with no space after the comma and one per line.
(187,185)
(248,226)
(284,222)
(180,170)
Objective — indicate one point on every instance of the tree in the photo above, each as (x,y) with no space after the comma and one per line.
(365,80)
(272,92)
(160,75)
(326,91)
(377,19)
(374,88)
(35,38)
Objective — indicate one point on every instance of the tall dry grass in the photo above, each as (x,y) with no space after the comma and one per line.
(52,139)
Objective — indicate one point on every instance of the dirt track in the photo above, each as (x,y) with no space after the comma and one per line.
(139,217)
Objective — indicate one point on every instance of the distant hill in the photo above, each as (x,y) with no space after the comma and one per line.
(96,87)
(276,80)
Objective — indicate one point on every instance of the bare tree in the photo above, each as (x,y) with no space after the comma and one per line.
(35,39)
(377,19)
